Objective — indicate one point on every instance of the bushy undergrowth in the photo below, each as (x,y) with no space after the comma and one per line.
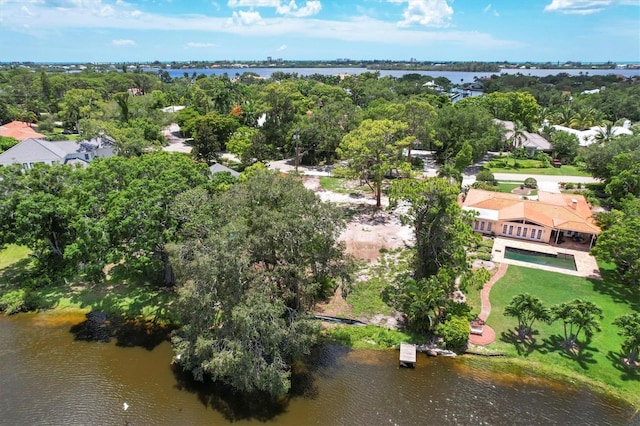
(367,336)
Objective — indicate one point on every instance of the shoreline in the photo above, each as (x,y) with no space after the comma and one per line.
(500,364)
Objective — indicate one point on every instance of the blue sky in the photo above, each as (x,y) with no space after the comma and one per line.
(428,30)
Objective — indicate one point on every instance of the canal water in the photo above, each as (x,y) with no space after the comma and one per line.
(51,373)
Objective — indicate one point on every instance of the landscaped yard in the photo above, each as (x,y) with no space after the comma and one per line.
(506,164)
(599,358)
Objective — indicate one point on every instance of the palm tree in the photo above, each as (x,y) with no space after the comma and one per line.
(630,330)
(564,116)
(586,118)
(518,134)
(577,316)
(605,133)
(527,309)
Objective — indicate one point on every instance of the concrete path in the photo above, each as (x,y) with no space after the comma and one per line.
(488,334)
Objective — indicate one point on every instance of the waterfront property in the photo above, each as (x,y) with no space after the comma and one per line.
(547,257)
(552,218)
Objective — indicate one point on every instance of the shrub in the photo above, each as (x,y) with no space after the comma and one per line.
(16,301)
(545,163)
(485,176)
(531,183)
(454,332)
(487,186)
(417,163)
(569,185)
(484,256)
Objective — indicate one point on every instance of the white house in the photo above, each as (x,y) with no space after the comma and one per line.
(587,137)
(32,151)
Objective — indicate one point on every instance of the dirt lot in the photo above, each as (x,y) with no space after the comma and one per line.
(369,229)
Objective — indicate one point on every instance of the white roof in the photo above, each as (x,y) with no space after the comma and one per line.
(483,213)
(587,137)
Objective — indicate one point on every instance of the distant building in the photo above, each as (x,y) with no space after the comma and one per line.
(219,168)
(33,151)
(532,142)
(19,130)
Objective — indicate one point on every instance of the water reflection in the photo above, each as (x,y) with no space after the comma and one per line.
(51,376)
(98,327)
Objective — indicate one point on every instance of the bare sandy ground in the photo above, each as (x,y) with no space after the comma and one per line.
(370,229)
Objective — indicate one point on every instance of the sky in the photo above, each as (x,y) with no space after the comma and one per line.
(250,30)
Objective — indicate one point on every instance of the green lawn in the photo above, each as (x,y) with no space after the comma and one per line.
(598,360)
(546,171)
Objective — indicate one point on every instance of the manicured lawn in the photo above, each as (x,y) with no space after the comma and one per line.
(547,171)
(598,359)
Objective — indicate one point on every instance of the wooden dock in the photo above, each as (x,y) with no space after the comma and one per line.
(407,355)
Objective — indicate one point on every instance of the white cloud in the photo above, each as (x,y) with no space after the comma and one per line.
(282,7)
(281,48)
(122,42)
(194,44)
(50,20)
(26,11)
(487,8)
(253,3)
(431,13)
(585,7)
(245,18)
(310,8)
(106,11)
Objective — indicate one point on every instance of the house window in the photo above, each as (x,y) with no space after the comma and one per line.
(539,234)
(519,231)
(25,166)
(510,229)
(86,156)
(475,225)
(524,232)
(504,229)
(482,226)
(488,226)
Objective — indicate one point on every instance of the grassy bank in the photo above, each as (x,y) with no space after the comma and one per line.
(368,337)
(598,362)
(120,294)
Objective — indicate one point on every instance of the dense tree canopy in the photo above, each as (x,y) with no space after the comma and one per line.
(248,279)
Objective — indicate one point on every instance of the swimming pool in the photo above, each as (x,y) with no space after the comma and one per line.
(560,260)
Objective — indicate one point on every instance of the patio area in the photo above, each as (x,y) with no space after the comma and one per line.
(586,264)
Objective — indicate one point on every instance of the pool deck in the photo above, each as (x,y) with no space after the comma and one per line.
(586,264)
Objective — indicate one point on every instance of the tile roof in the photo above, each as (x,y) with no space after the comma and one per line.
(530,140)
(562,211)
(19,130)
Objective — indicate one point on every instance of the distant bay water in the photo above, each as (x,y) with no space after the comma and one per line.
(456,77)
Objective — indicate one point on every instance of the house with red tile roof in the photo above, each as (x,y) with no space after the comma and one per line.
(20,131)
(551,218)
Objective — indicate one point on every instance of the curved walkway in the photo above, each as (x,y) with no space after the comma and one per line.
(488,335)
